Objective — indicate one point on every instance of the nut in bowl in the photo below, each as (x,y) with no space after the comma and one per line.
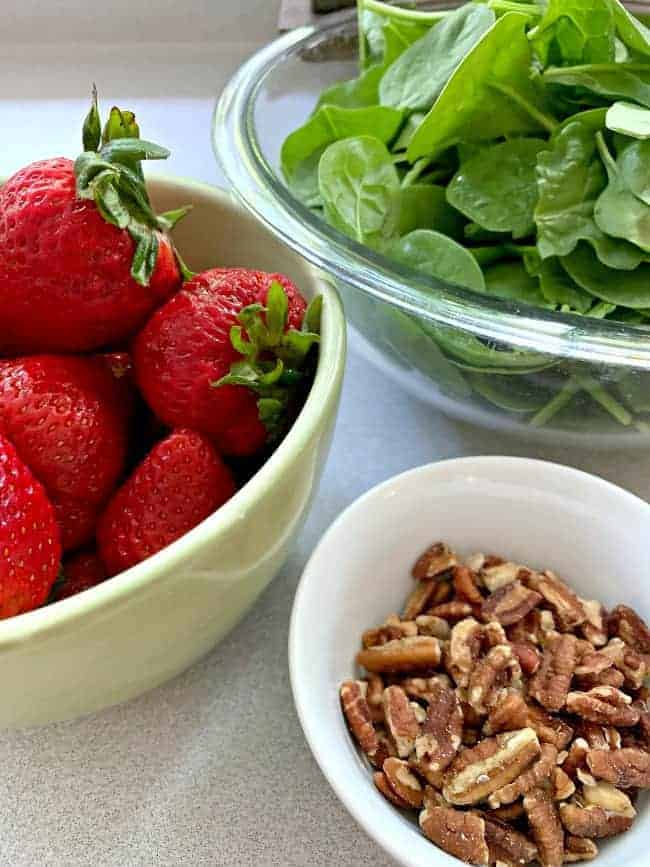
(191,523)
(503,704)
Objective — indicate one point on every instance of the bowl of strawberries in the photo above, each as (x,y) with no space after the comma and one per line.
(169,380)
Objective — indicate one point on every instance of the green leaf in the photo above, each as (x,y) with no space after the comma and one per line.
(407,132)
(630,30)
(497,188)
(629,120)
(386,31)
(633,165)
(360,189)
(634,388)
(109,202)
(360,92)
(312,320)
(618,212)
(575,31)
(169,219)
(438,256)
(481,356)
(488,255)
(624,288)
(425,206)
(92,128)
(608,80)
(511,281)
(146,253)
(513,394)
(470,107)
(557,287)
(414,81)
(277,311)
(132,149)
(120,124)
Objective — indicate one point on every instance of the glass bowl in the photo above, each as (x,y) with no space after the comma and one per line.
(500,364)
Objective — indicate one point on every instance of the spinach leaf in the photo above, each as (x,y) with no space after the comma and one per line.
(514,394)
(497,188)
(510,280)
(489,95)
(470,352)
(618,212)
(633,164)
(424,206)
(489,255)
(414,81)
(592,118)
(439,257)
(625,288)
(558,289)
(386,31)
(303,182)
(575,31)
(332,123)
(359,92)
(408,131)
(570,177)
(629,120)
(630,30)
(610,80)
(360,189)
(634,388)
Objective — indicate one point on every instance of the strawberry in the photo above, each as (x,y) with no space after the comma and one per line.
(68,418)
(180,482)
(236,329)
(29,537)
(80,572)
(83,258)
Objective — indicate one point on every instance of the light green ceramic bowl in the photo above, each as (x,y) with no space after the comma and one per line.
(115,641)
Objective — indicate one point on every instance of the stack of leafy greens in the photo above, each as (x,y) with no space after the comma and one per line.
(503,146)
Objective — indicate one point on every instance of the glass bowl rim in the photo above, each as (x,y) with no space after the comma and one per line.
(260,189)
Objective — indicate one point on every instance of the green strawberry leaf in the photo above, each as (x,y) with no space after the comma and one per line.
(92,128)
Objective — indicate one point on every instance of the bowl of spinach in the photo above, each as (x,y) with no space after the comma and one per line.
(475,178)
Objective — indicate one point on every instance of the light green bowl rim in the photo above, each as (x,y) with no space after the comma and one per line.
(321,401)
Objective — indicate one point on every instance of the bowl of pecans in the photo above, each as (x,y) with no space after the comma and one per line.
(472,676)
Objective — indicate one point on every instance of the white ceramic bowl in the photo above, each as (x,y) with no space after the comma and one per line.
(592,533)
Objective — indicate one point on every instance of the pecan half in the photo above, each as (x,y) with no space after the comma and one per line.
(609,798)
(563,785)
(404,654)
(464,649)
(509,714)
(496,573)
(460,834)
(627,768)
(593,662)
(547,830)
(529,780)
(626,624)
(593,821)
(549,729)
(599,737)
(505,843)
(609,677)
(628,661)
(421,597)
(593,628)
(442,730)
(403,782)
(510,603)
(603,704)
(498,670)
(550,685)
(381,782)
(511,813)
(454,610)
(529,657)
(566,606)
(465,583)
(400,719)
(357,714)
(579,849)
(434,561)
(493,763)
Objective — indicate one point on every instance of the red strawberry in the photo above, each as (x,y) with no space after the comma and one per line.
(29,537)
(83,259)
(180,482)
(68,418)
(81,571)
(188,345)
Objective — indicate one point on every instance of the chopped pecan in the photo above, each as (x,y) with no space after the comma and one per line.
(527,781)
(599,737)
(421,687)
(603,704)
(534,627)
(563,785)
(593,662)
(464,649)
(593,821)
(579,849)
(550,685)
(494,673)
(593,628)
(546,827)
(510,713)
(454,610)
(385,749)
(471,737)
(434,561)
(549,729)
(577,757)
(404,654)
(428,624)
(609,798)
(529,657)
(628,661)
(381,782)
(492,764)
(566,606)
(375,690)
(400,720)
(510,603)
(626,769)
(496,573)
(626,624)
(511,813)
(432,798)
(435,779)
(609,677)
(466,585)
(476,561)
(403,782)
(505,843)
(442,730)
(421,597)
(357,714)
(457,833)
(391,630)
